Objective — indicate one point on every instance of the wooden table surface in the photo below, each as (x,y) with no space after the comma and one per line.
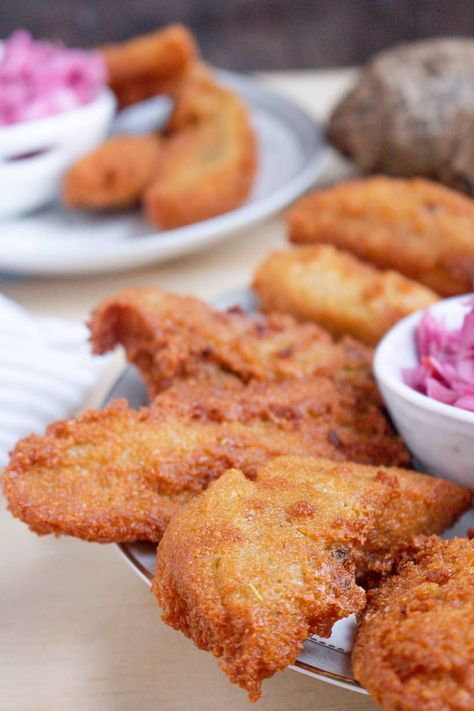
(78,630)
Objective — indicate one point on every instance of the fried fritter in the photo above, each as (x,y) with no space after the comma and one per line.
(209,156)
(115,174)
(337,291)
(169,336)
(119,474)
(150,64)
(250,569)
(424,505)
(416,227)
(415,645)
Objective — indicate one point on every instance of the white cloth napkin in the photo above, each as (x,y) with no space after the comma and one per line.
(46,372)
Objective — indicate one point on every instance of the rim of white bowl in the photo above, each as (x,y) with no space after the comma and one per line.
(104,96)
(29,133)
(396,384)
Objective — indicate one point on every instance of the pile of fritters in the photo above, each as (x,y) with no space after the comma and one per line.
(201,164)
(369,252)
(249,569)
(265,467)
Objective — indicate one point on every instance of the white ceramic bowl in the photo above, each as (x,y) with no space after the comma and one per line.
(440,437)
(48,147)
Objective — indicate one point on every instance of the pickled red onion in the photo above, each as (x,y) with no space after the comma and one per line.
(38,79)
(446,361)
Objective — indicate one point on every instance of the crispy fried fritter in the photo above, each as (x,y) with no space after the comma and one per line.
(417,227)
(336,290)
(150,64)
(424,505)
(209,156)
(169,336)
(113,175)
(250,569)
(119,474)
(197,99)
(415,647)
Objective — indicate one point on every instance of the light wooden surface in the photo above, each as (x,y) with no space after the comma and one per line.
(78,630)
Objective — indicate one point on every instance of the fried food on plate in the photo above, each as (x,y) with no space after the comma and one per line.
(423,505)
(209,156)
(415,646)
(416,227)
(249,569)
(115,174)
(150,64)
(339,292)
(119,474)
(168,336)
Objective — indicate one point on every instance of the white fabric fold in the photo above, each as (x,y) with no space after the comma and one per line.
(46,372)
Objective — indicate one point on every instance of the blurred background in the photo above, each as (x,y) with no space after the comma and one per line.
(250,34)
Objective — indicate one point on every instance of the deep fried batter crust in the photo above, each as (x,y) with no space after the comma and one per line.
(169,336)
(415,646)
(150,64)
(424,505)
(119,474)
(339,292)
(113,175)
(250,569)
(416,227)
(209,156)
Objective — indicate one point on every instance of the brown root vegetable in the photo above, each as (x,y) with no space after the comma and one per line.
(412,113)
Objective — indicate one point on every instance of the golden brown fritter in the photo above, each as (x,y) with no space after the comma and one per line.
(169,336)
(249,569)
(416,227)
(119,474)
(423,505)
(339,292)
(415,647)
(150,64)
(209,156)
(115,174)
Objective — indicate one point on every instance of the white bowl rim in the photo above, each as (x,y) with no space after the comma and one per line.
(405,391)
(105,96)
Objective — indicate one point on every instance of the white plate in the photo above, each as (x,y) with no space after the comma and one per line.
(291,152)
(325,659)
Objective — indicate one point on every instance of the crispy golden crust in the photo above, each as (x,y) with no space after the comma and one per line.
(416,227)
(141,466)
(339,292)
(250,569)
(415,646)
(209,156)
(424,505)
(150,64)
(169,336)
(115,174)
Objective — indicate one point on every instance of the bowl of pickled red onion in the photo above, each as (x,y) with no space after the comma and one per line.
(54,106)
(424,367)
